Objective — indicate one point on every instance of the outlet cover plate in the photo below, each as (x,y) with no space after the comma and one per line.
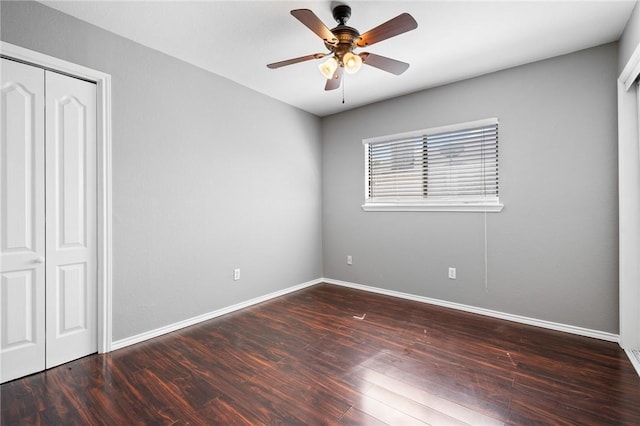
(452,273)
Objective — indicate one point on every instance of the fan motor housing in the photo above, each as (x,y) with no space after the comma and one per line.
(347,38)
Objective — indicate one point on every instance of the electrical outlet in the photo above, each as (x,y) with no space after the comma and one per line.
(236,274)
(452,273)
(349,260)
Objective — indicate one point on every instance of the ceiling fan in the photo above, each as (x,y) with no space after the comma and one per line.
(342,40)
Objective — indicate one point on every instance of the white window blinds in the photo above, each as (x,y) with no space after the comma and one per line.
(453,165)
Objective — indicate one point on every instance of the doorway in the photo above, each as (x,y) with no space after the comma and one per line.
(79,251)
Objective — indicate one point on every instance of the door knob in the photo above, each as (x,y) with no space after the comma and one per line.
(39,260)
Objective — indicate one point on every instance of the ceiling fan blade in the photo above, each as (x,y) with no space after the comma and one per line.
(296,60)
(384,63)
(335,81)
(398,25)
(311,21)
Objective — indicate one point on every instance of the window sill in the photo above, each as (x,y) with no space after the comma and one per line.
(463,207)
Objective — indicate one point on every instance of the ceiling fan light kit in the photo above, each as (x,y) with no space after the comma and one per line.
(351,62)
(328,67)
(342,40)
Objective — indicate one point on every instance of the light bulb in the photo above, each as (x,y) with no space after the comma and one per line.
(328,67)
(351,62)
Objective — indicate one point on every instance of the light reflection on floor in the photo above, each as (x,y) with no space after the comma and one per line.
(399,403)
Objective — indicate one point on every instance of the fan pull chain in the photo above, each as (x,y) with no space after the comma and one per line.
(343,83)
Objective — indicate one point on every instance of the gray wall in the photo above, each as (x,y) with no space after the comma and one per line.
(207,176)
(552,251)
(630,38)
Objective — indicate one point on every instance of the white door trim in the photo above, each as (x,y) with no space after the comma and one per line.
(103,140)
(629,203)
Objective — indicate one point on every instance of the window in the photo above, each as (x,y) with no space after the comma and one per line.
(450,168)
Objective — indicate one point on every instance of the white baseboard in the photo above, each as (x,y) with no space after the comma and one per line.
(602,335)
(119,344)
(634,357)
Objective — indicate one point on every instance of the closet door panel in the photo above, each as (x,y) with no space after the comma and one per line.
(71,218)
(22,236)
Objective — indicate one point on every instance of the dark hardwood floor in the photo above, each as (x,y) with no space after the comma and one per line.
(304,359)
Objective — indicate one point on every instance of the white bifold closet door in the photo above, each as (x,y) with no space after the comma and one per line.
(48,231)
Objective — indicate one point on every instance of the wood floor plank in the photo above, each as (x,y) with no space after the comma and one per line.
(224,411)
(333,355)
(355,417)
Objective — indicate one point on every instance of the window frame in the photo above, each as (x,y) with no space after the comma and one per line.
(452,204)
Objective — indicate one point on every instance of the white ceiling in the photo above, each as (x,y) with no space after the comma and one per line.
(454,40)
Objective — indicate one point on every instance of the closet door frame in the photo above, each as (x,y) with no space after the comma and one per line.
(629,206)
(103,169)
